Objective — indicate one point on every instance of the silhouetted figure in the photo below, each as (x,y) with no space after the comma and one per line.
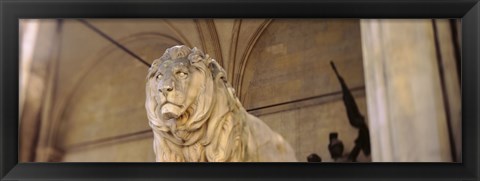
(335,147)
(356,120)
(314,158)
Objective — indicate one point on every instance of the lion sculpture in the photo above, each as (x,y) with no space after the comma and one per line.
(196,117)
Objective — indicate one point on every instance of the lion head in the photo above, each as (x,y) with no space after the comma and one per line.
(182,86)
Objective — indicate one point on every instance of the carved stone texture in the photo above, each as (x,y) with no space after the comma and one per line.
(196,117)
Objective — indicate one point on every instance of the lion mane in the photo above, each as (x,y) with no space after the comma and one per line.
(214,127)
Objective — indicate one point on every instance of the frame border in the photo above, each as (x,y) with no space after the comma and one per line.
(11,11)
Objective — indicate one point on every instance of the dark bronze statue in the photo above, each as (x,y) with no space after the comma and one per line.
(362,143)
(314,158)
(335,147)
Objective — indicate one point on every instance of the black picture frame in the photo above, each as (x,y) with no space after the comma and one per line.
(11,11)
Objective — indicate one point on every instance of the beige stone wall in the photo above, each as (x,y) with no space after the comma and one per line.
(288,81)
(92,108)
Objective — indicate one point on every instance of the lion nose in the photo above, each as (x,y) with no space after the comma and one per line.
(166,88)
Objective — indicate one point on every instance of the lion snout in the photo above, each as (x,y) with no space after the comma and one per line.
(165,88)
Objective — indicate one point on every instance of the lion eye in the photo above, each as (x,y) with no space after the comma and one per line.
(182,74)
(159,76)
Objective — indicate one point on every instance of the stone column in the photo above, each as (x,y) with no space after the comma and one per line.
(407,116)
(36,65)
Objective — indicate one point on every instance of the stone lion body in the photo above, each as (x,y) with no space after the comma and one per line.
(196,117)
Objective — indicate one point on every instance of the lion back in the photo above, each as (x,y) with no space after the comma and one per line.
(265,145)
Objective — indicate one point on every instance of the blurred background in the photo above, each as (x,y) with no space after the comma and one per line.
(82,83)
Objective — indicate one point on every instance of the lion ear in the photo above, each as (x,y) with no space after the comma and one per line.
(196,55)
(153,68)
(217,70)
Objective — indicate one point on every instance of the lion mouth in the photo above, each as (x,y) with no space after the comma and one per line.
(171,111)
(169,115)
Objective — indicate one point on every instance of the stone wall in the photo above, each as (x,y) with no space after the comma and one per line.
(288,81)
